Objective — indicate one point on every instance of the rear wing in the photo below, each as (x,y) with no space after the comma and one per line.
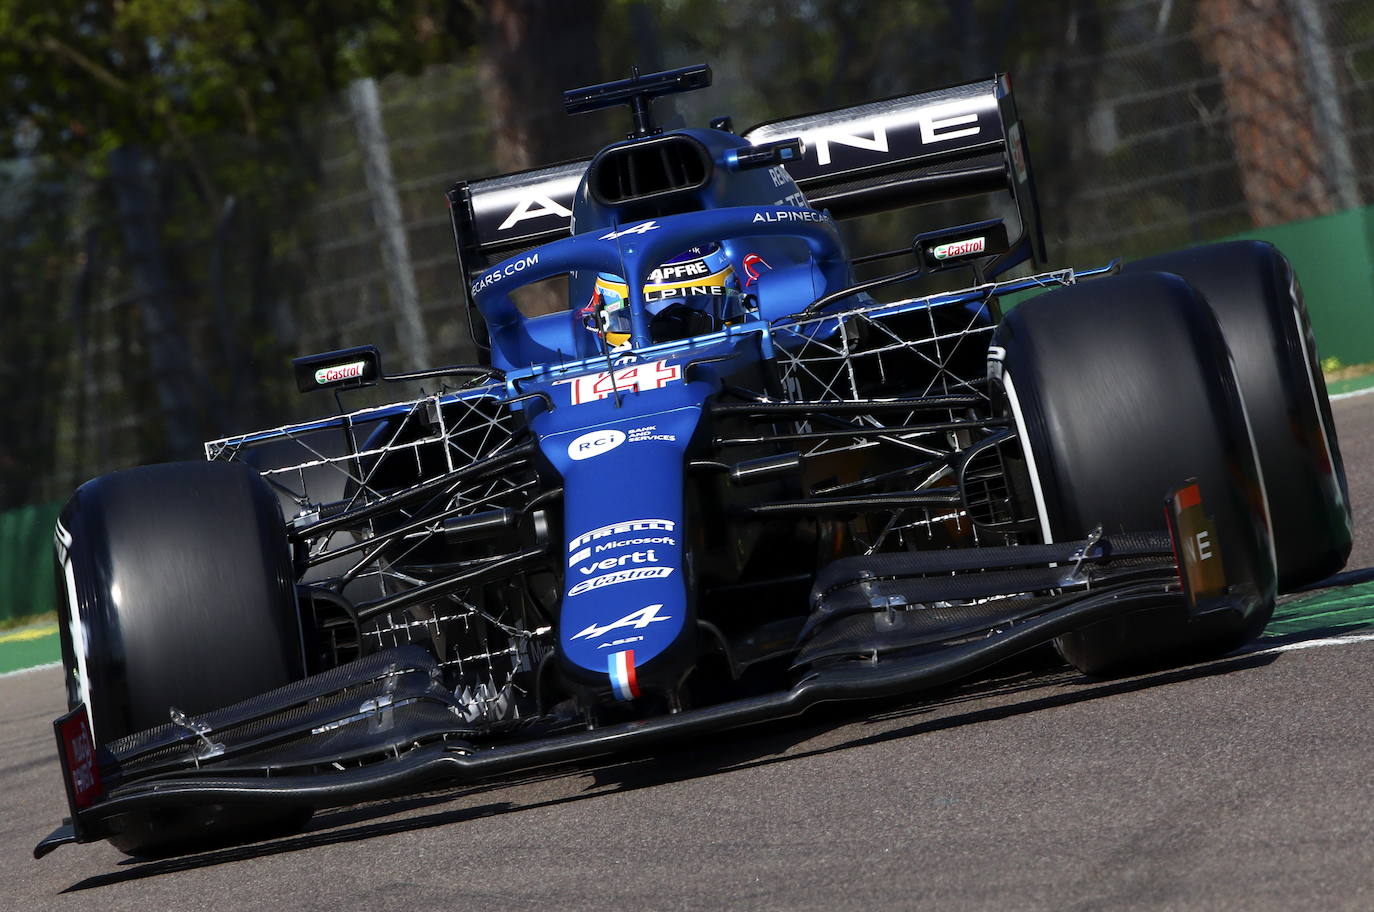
(965,140)
(907,151)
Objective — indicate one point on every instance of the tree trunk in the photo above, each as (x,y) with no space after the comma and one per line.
(1254,44)
(132,173)
(532,50)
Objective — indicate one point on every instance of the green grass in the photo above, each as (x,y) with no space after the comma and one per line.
(28,620)
(28,653)
(1349,384)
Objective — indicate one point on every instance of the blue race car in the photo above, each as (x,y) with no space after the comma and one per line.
(712,478)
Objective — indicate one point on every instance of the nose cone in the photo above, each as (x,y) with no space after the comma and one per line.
(625,622)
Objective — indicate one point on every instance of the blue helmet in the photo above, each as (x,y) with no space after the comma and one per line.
(695,292)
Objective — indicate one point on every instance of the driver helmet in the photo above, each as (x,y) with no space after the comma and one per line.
(694,292)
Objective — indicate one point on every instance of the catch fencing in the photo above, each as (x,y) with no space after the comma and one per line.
(1153,124)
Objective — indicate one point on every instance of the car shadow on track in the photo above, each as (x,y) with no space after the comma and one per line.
(724,753)
(1347,578)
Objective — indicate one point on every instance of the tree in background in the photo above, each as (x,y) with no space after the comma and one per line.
(183,119)
(188,190)
(1278,81)
(523,92)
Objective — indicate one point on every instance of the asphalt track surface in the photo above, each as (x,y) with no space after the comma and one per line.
(1241,783)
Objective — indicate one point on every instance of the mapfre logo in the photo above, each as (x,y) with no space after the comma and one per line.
(340,372)
(594,443)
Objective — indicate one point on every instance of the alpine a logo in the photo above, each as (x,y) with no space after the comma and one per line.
(340,372)
(636,619)
(641,228)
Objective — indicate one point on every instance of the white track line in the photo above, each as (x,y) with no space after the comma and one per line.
(20,671)
(1359,392)
(1310,644)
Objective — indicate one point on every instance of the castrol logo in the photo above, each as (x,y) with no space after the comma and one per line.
(340,372)
(959,248)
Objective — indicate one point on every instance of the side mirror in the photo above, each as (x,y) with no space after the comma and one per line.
(947,247)
(347,368)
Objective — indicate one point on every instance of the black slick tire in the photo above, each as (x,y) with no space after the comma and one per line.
(1254,292)
(1122,389)
(177,591)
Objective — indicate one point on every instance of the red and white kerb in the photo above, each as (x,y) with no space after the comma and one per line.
(621,667)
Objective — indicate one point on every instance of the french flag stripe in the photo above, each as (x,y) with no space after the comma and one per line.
(621,667)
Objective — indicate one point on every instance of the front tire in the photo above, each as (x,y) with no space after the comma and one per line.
(178,591)
(1122,389)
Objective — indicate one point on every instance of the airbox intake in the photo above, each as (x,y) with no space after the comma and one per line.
(649,170)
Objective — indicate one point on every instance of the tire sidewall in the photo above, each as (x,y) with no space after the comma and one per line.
(1121,389)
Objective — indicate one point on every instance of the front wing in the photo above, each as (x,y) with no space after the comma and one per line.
(385,725)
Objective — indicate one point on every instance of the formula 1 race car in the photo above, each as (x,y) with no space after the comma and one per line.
(722,482)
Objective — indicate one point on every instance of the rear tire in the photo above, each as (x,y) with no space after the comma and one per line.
(1122,389)
(178,591)
(1253,291)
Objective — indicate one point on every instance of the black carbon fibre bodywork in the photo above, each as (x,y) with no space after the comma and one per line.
(259,752)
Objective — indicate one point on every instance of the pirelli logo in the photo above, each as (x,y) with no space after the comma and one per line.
(621,528)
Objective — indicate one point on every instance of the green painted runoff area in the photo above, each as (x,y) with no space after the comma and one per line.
(1326,612)
(27,648)
(1352,385)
